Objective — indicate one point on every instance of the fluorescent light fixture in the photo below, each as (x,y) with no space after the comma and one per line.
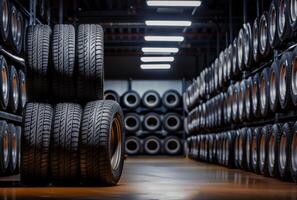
(159,50)
(167,23)
(157,59)
(164,38)
(155,66)
(174,3)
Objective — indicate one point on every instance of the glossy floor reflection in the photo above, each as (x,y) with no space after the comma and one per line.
(169,178)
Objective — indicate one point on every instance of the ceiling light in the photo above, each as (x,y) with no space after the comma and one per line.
(157,59)
(155,66)
(174,3)
(167,23)
(159,50)
(164,38)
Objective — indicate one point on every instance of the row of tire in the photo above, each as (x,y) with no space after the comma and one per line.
(150,99)
(13,95)
(153,145)
(10,142)
(171,122)
(12,26)
(270,150)
(270,91)
(254,44)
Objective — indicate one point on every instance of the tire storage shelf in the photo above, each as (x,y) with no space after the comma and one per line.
(241,111)
(154,124)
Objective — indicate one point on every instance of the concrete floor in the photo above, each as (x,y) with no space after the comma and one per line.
(168,178)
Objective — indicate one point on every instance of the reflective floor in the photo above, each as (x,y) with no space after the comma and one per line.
(168,178)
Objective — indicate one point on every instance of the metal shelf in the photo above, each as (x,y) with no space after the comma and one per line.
(11,117)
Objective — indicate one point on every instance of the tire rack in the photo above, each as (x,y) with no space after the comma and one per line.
(161,110)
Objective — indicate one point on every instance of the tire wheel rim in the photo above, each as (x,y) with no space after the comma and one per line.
(263,97)
(262,151)
(14,149)
(293,10)
(255,97)
(263,34)
(115,143)
(240,47)
(282,152)
(294,152)
(240,104)
(246,44)
(5,144)
(255,39)
(281,17)
(131,100)
(15,91)
(272,24)
(19,30)
(14,25)
(4,76)
(282,82)
(272,88)
(5,16)
(271,154)
(294,76)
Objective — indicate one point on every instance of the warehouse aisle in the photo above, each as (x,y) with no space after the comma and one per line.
(169,178)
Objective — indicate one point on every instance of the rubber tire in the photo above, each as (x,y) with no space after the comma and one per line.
(230,140)
(286,62)
(111,95)
(137,120)
(147,103)
(273,85)
(256,36)
(37,49)
(168,127)
(248,149)
(129,105)
(37,128)
(242,145)
(264,88)
(168,104)
(265,49)
(19,133)
(287,31)
(292,164)
(13,157)
(4,32)
(90,56)
(248,45)
(18,44)
(294,77)
(64,161)
(293,22)
(178,147)
(4,133)
(267,131)
(95,148)
(157,142)
(136,140)
(23,91)
(63,62)
(14,92)
(4,95)
(248,99)
(287,132)
(274,40)
(155,127)
(274,142)
(256,96)
(255,150)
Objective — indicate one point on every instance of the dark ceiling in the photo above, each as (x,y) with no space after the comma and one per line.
(123,22)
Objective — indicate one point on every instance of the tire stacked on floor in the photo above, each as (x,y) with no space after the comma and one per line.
(78,142)
(253,104)
(153,123)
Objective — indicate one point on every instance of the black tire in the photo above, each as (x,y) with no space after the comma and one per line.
(256,36)
(18,41)
(241,101)
(13,150)
(4,147)
(264,44)
(230,144)
(172,145)
(172,122)
(235,68)
(151,99)
(240,50)
(285,81)
(37,126)
(131,99)
(102,147)
(152,145)
(12,26)
(65,140)
(4,83)
(37,49)
(90,55)
(256,96)
(171,99)
(5,20)
(266,131)
(255,146)
(236,149)
(111,95)
(14,92)
(285,151)
(283,23)
(293,163)
(63,59)
(293,90)
(132,122)
(22,89)
(152,122)
(235,98)
(241,148)
(248,99)
(273,86)
(274,40)
(273,150)
(293,15)
(132,145)
(264,92)
(248,45)
(248,149)
(19,133)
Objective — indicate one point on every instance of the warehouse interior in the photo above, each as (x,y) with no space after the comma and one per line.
(148,99)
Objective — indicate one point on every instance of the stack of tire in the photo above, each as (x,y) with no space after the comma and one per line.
(13,95)
(252,82)
(79,137)
(153,123)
